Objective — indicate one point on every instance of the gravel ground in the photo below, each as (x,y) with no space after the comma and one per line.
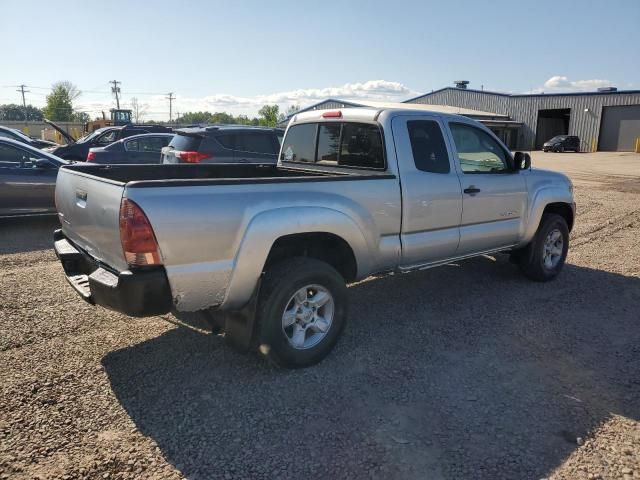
(465,371)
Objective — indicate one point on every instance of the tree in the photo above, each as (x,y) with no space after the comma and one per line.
(73,91)
(15,112)
(80,117)
(195,117)
(269,115)
(288,113)
(222,118)
(138,110)
(60,101)
(291,110)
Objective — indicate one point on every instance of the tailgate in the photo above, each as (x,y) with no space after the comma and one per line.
(89,211)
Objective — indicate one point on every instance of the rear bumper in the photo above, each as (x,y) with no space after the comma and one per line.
(140,293)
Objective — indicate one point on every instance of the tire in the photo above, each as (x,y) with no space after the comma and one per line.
(561,150)
(281,293)
(532,260)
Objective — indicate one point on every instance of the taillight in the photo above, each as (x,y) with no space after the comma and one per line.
(334,114)
(190,157)
(91,156)
(136,236)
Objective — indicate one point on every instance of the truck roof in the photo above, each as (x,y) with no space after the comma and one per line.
(373,110)
(203,129)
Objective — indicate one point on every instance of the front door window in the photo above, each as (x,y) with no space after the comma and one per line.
(477,151)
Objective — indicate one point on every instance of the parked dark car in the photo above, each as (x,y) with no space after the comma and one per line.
(18,136)
(27,179)
(224,144)
(138,149)
(78,149)
(562,143)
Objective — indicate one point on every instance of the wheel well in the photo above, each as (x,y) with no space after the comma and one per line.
(324,246)
(562,209)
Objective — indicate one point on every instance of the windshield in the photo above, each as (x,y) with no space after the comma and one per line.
(18,133)
(91,135)
(559,138)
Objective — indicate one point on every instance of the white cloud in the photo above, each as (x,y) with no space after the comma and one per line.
(561,83)
(381,90)
(157,106)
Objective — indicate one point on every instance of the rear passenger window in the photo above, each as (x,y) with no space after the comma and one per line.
(255,142)
(338,143)
(361,146)
(328,142)
(151,144)
(131,146)
(300,143)
(428,147)
(226,140)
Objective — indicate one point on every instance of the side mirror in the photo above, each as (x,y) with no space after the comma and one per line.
(41,163)
(522,161)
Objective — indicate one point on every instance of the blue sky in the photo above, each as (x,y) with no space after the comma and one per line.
(235,56)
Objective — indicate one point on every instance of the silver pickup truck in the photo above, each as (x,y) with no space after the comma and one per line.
(266,251)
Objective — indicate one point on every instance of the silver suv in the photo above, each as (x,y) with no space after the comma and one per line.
(224,144)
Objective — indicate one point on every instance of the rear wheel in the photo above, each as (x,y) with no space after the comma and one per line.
(302,310)
(544,257)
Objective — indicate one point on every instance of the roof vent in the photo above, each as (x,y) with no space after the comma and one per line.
(461,83)
(608,89)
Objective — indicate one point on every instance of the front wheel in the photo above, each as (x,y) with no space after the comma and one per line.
(544,257)
(302,310)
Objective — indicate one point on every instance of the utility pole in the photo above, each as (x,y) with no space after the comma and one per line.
(24,102)
(116,90)
(171,98)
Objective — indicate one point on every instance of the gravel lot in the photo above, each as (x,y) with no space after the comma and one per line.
(465,371)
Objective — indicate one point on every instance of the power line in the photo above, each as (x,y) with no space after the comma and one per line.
(171,98)
(116,90)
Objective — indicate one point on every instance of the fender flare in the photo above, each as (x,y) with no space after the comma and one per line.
(542,198)
(266,227)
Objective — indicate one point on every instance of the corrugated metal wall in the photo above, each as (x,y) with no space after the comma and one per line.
(585,125)
(457,97)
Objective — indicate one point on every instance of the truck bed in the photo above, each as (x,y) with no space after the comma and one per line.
(212,174)
(218,199)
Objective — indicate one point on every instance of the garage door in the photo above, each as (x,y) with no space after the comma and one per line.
(619,128)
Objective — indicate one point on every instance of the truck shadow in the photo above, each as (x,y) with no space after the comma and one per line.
(27,234)
(466,371)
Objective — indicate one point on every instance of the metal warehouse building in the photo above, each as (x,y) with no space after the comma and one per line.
(604,120)
(607,120)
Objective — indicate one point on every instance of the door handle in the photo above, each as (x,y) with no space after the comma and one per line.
(471,190)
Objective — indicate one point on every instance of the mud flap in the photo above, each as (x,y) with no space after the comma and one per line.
(239,326)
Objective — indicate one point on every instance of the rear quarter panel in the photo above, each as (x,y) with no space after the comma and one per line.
(213,236)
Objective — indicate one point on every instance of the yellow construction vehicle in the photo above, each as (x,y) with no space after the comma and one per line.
(118,117)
